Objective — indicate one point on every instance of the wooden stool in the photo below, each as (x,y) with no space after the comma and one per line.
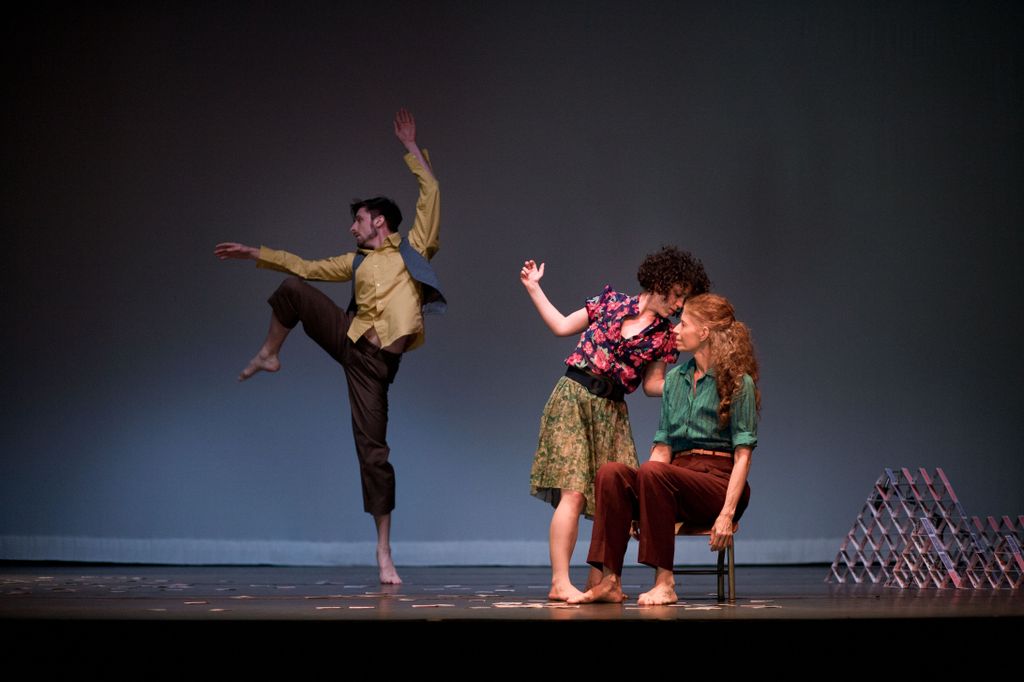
(721,570)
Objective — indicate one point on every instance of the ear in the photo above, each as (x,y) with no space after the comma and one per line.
(704,333)
(378,222)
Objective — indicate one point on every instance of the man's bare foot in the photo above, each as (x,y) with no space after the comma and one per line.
(563,591)
(263,362)
(608,590)
(388,574)
(658,595)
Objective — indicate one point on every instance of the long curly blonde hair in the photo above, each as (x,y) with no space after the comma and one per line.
(732,351)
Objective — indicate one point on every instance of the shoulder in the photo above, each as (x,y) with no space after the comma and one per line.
(676,374)
(746,386)
(615,300)
(607,294)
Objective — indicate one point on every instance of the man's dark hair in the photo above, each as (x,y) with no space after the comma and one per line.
(670,266)
(380,206)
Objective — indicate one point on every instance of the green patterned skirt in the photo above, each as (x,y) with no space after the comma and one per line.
(578,433)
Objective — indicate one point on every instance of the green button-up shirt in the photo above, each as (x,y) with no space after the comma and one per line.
(689,419)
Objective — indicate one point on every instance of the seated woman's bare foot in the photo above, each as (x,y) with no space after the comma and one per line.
(608,590)
(658,595)
(594,578)
(388,574)
(263,362)
(563,591)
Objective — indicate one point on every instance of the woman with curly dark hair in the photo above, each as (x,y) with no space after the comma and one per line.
(626,341)
(698,468)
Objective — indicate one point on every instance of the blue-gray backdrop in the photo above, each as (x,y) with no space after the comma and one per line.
(850,174)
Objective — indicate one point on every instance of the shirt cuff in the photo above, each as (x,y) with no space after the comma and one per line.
(265,258)
(744,439)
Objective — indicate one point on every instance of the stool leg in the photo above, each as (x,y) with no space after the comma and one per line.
(720,575)
(732,574)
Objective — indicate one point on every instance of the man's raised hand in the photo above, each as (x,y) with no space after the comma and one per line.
(405,127)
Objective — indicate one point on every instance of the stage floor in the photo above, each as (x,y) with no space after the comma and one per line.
(351,594)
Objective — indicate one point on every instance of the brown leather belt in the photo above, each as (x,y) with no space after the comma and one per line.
(696,451)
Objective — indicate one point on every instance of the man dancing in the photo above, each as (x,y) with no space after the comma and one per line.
(392,286)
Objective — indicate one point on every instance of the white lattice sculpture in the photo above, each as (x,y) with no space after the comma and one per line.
(913,532)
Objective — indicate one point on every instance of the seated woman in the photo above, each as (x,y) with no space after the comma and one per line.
(698,468)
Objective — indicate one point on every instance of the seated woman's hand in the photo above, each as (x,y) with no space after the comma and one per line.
(721,533)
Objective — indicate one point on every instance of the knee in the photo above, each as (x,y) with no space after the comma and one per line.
(372,452)
(573,501)
(612,474)
(286,299)
(653,467)
(291,286)
(651,471)
(613,470)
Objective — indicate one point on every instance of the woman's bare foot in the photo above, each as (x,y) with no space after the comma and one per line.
(608,590)
(263,362)
(593,578)
(563,591)
(658,595)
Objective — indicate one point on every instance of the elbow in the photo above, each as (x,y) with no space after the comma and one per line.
(558,327)
(564,330)
(654,388)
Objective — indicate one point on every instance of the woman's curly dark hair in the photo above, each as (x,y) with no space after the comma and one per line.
(670,266)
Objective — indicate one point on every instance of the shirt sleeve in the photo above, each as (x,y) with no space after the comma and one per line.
(425,234)
(743,416)
(336,269)
(665,422)
(667,351)
(595,306)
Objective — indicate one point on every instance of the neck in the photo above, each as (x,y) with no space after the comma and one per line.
(643,300)
(702,356)
(375,241)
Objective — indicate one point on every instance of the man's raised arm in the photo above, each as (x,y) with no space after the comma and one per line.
(335,269)
(424,236)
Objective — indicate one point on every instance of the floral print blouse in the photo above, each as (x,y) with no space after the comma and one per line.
(603,351)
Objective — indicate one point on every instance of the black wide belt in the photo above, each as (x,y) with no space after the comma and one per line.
(602,387)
